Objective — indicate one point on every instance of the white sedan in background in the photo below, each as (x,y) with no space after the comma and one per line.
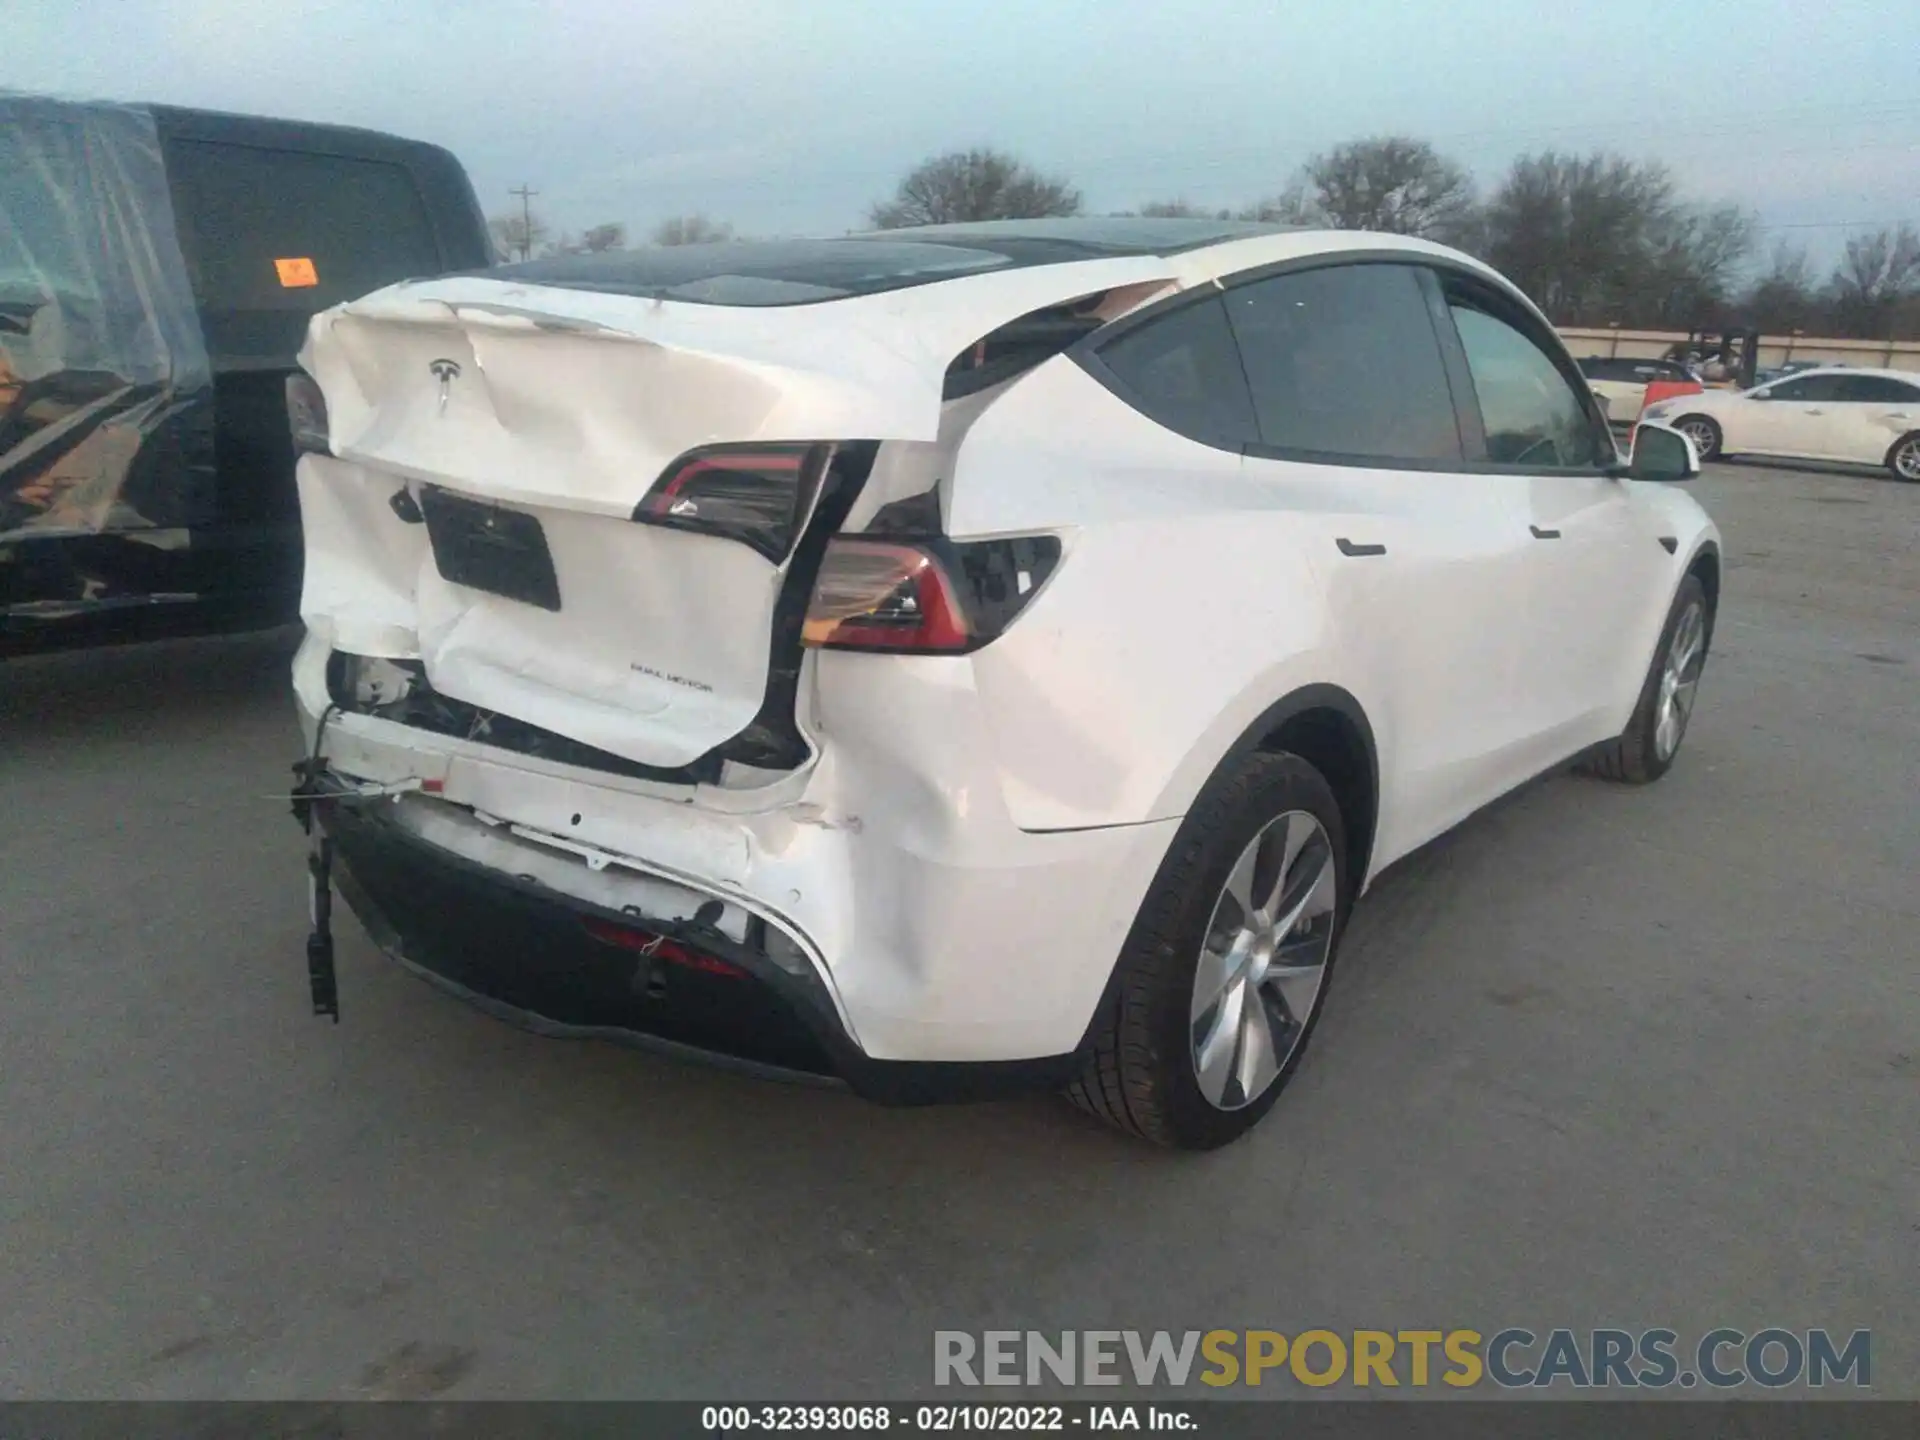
(1863,417)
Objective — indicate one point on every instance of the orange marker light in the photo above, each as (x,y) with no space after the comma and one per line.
(296,272)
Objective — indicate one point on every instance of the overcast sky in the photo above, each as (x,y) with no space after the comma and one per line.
(793,116)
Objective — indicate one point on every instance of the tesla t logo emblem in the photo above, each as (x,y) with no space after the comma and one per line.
(446,372)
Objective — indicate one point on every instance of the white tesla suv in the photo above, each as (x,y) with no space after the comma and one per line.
(963,658)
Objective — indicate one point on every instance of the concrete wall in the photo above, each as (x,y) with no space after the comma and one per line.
(1774,349)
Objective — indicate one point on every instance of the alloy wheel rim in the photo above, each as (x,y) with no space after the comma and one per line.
(1702,436)
(1907,460)
(1263,963)
(1680,680)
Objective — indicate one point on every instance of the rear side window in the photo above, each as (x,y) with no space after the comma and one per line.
(272,236)
(1343,362)
(1877,390)
(1181,369)
(1532,414)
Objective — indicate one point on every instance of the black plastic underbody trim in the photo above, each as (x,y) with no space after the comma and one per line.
(521,952)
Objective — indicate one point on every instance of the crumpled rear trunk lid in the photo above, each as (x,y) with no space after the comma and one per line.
(492,444)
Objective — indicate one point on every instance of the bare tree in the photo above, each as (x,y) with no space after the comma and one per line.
(1875,275)
(1783,297)
(1390,183)
(691,230)
(1598,238)
(516,236)
(1693,257)
(1291,206)
(974,185)
(598,238)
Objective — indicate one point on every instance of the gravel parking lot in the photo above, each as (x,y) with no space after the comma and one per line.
(1602,1057)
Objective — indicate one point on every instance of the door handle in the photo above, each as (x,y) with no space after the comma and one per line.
(1540,534)
(1816,412)
(1347,547)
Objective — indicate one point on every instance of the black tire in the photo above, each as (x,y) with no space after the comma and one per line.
(1634,758)
(1905,453)
(1705,433)
(1137,1071)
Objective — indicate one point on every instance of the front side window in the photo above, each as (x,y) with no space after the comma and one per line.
(1532,414)
(1806,388)
(1343,363)
(1181,369)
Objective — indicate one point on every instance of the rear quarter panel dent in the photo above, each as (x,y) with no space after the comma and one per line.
(1189,603)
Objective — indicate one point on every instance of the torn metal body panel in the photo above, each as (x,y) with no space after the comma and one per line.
(504,392)
(913,918)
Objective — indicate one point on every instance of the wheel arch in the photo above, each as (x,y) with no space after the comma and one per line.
(1685,414)
(1886,461)
(1325,725)
(1705,564)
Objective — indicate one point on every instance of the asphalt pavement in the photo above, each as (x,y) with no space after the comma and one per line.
(1604,1056)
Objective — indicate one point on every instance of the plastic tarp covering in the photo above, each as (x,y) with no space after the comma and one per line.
(106,393)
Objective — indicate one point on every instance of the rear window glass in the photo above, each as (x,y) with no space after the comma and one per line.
(1182,370)
(1344,361)
(272,236)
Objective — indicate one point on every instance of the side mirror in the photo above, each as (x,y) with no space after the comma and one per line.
(1662,454)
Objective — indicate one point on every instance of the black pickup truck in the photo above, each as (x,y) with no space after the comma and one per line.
(158,267)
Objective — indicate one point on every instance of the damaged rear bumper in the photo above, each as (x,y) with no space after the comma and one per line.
(560,966)
(903,937)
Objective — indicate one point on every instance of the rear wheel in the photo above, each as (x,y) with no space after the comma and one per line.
(1225,971)
(1704,433)
(1904,459)
(1646,749)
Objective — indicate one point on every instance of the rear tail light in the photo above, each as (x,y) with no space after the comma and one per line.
(924,596)
(307,415)
(759,495)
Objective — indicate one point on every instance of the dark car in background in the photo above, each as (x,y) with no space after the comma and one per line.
(158,267)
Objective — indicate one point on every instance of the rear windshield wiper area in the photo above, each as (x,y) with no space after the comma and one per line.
(419,705)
